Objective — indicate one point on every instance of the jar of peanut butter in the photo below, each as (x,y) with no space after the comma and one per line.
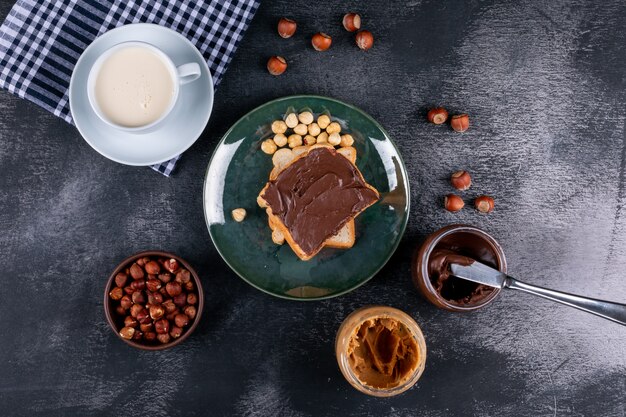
(380,350)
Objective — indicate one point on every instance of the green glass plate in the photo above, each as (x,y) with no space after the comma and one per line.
(237,172)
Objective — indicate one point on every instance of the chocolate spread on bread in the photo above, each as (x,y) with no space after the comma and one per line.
(317,195)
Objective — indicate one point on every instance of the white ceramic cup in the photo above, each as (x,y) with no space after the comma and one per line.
(180,75)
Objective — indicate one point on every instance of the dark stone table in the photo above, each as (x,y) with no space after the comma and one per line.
(543,83)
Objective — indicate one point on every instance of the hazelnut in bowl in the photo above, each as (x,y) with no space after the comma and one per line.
(153,300)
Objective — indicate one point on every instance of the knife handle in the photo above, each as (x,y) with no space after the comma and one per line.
(606,309)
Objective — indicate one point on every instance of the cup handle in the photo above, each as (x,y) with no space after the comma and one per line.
(188,73)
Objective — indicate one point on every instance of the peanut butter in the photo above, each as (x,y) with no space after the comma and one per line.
(383,353)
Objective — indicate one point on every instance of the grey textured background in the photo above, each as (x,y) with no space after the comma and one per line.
(544,85)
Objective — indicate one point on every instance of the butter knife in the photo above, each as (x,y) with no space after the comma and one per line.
(483,274)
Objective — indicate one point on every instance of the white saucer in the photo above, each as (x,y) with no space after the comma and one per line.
(180,129)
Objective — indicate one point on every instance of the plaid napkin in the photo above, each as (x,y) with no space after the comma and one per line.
(41,40)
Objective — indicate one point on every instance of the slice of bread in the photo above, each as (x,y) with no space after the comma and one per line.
(345,237)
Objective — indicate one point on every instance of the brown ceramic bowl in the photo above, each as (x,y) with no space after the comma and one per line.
(116,323)
(422,278)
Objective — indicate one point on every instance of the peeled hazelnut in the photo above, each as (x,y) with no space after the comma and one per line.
(364,39)
(280,140)
(238,214)
(149,336)
(130,321)
(352,22)
(484,204)
(173,288)
(192,298)
(294,140)
(322,137)
(190,311)
(291,120)
(163,338)
(153,285)
(176,332)
(453,202)
(126,302)
(180,300)
(461,180)
(138,297)
(181,320)
(153,268)
(183,276)
(136,272)
(460,122)
(278,126)
(120,279)
(306,117)
(268,146)
(300,129)
(156,312)
(171,265)
(135,309)
(276,65)
(323,121)
(116,293)
(314,129)
(438,115)
(346,140)
(162,326)
(321,41)
(309,140)
(333,127)
(334,139)
(278,237)
(127,333)
(286,27)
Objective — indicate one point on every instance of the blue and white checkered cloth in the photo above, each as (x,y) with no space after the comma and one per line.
(41,40)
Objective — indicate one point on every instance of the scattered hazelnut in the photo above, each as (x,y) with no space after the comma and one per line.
(438,115)
(136,272)
(364,39)
(306,117)
(278,126)
(334,139)
(176,332)
(156,312)
(484,204)
(171,265)
(190,311)
(126,302)
(322,137)
(291,120)
(461,180)
(323,121)
(116,293)
(352,22)
(173,288)
(181,320)
(192,298)
(321,41)
(121,279)
(130,321)
(453,202)
(314,129)
(127,333)
(276,65)
(286,27)
(280,140)
(162,326)
(460,122)
(153,268)
(163,338)
(346,140)
(301,129)
(309,140)
(268,146)
(333,127)
(238,215)
(294,140)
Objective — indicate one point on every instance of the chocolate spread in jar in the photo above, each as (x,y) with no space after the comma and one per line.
(317,195)
(461,248)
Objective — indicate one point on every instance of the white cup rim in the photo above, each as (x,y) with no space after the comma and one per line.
(95,70)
